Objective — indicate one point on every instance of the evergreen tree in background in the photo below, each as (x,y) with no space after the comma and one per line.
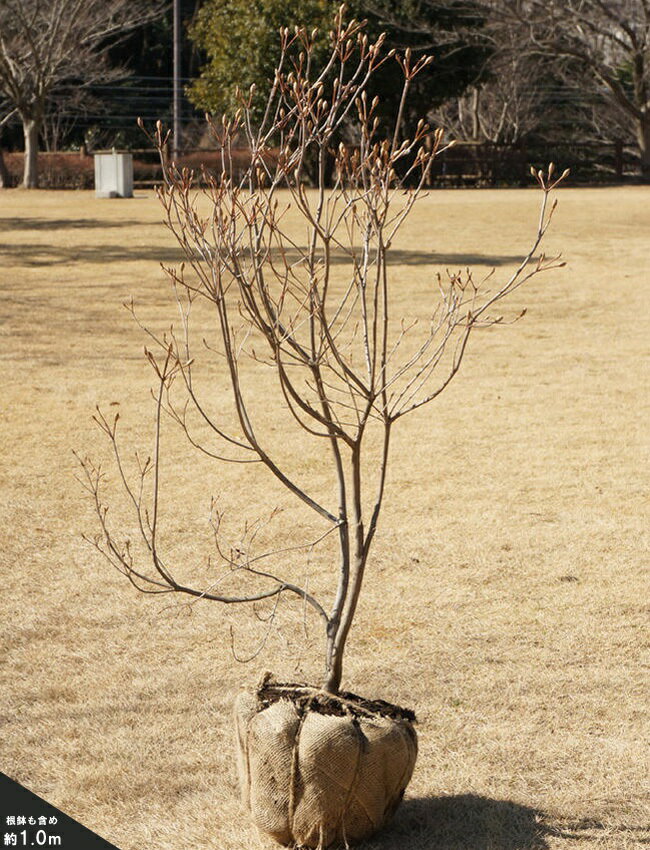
(239,39)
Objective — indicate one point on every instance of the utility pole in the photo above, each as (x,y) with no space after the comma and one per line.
(176,105)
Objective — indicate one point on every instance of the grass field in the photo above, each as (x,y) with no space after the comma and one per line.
(507,601)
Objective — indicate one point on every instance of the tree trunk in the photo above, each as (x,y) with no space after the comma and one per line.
(30,170)
(476,122)
(337,641)
(4,174)
(358,558)
(643,137)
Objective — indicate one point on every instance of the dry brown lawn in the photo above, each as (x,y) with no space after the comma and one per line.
(507,601)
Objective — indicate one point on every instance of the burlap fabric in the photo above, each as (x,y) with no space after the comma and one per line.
(313,779)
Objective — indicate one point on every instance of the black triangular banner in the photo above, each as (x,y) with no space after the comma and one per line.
(26,820)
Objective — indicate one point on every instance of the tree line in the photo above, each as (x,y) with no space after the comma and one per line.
(513,72)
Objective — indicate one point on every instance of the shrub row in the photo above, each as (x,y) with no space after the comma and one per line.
(464,165)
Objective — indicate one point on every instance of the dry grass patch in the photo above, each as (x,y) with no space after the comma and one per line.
(507,599)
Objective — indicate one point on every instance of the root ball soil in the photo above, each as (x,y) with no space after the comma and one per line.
(317,768)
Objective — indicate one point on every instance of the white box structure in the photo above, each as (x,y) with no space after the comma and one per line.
(113,175)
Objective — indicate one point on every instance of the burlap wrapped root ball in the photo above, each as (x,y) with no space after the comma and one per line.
(313,779)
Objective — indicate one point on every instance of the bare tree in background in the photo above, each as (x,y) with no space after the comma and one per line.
(503,108)
(63,109)
(313,306)
(44,43)
(611,38)
(501,104)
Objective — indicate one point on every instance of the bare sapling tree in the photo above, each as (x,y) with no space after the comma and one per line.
(44,43)
(315,306)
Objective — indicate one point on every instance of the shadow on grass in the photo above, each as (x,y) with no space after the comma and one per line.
(63,223)
(463,822)
(53,254)
(56,255)
(471,822)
